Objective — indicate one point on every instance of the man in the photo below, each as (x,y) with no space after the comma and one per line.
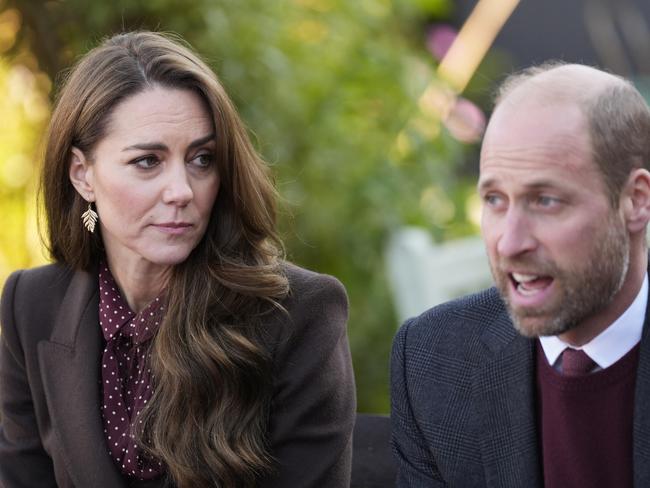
(543,380)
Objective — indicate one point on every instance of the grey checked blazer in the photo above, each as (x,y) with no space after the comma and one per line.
(463,400)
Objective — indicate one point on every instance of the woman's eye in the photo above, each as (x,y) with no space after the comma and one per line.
(203,160)
(146,162)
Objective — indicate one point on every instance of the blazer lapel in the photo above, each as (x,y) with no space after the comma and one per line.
(505,390)
(70,369)
(641,426)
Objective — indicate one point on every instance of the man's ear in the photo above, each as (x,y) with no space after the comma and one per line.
(636,200)
(81,174)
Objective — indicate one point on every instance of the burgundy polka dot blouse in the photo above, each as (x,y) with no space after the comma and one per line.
(126,377)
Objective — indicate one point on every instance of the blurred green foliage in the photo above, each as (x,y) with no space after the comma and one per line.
(329,88)
(24,110)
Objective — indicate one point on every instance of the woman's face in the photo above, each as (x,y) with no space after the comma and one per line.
(153,177)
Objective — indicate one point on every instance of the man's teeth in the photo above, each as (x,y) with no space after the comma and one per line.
(524,278)
(526,292)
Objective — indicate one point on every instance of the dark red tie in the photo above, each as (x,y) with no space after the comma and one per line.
(576,363)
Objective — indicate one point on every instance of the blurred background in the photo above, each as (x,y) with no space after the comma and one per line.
(370,112)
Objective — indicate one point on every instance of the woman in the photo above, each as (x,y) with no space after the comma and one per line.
(169,344)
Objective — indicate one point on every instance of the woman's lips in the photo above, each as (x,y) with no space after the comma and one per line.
(174,228)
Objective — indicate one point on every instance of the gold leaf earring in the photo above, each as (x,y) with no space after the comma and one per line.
(89,218)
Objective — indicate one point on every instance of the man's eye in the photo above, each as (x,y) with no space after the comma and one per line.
(492,200)
(546,201)
(145,162)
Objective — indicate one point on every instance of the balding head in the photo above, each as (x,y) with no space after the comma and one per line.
(616,115)
(556,82)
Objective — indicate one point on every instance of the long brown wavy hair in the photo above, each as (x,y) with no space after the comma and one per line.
(207,419)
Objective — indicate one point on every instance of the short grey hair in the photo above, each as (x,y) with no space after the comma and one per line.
(618,119)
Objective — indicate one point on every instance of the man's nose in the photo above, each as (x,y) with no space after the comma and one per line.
(517,235)
(178,190)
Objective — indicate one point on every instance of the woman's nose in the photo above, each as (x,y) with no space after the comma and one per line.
(178,190)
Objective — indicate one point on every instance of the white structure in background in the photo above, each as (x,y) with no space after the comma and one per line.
(423,274)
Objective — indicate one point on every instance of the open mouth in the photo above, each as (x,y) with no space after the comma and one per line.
(530,284)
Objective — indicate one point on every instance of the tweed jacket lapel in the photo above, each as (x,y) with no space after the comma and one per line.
(641,426)
(505,390)
(70,363)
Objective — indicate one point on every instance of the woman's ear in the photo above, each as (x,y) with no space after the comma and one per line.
(637,200)
(81,174)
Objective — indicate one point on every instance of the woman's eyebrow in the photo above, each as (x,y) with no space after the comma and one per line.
(159,146)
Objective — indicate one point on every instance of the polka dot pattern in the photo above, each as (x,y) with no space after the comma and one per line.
(126,377)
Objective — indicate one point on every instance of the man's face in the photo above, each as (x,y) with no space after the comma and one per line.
(558,251)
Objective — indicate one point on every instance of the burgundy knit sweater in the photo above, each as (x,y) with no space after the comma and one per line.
(585,424)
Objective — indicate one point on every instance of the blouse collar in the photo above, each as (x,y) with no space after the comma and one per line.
(116,317)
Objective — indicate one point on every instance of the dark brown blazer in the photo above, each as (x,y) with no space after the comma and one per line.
(51,430)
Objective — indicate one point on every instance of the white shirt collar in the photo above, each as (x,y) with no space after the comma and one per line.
(614,342)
